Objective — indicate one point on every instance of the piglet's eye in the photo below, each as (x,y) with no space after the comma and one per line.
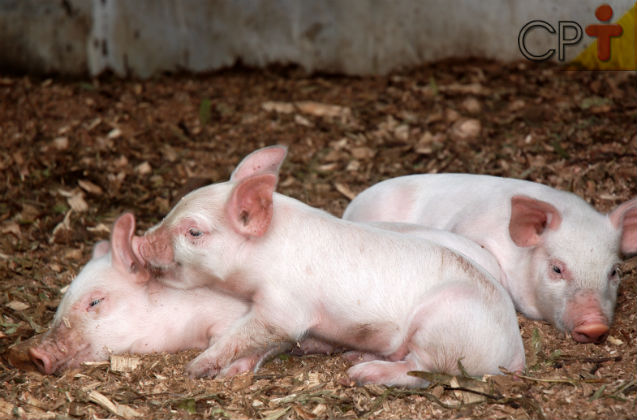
(194,232)
(557,270)
(95,302)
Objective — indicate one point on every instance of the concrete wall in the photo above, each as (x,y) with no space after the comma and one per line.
(44,36)
(144,37)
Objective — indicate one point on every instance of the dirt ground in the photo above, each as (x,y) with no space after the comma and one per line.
(76,154)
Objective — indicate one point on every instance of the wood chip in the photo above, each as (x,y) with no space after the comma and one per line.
(16,305)
(465,129)
(468,89)
(89,187)
(471,105)
(61,143)
(99,228)
(143,168)
(115,408)
(13,228)
(466,396)
(323,110)
(94,123)
(362,152)
(62,230)
(73,254)
(319,410)
(301,120)
(114,133)
(121,363)
(280,107)
(345,190)
(77,202)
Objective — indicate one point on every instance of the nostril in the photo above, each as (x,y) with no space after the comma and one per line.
(41,360)
(601,338)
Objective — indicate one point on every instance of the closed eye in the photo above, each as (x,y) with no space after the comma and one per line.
(95,302)
(195,233)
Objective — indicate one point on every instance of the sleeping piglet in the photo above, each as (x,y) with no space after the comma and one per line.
(413,304)
(114,306)
(560,256)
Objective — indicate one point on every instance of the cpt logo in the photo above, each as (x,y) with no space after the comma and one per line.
(603,33)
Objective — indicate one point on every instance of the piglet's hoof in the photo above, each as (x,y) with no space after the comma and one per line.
(201,369)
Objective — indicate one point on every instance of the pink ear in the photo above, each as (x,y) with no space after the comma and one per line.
(250,206)
(265,160)
(529,219)
(122,254)
(101,248)
(624,217)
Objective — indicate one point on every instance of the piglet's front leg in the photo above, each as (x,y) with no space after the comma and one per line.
(253,362)
(247,342)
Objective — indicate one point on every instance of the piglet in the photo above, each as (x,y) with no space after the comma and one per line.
(560,256)
(413,304)
(114,306)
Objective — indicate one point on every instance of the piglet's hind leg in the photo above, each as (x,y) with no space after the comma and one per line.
(386,373)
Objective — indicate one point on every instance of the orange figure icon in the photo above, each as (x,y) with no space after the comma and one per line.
(604,32)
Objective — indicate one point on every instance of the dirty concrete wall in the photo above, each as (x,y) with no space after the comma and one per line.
(145,37)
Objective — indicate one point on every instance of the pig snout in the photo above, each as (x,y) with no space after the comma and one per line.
(585,317)
(42,360)
(59,350)
(595,332)
(154,249)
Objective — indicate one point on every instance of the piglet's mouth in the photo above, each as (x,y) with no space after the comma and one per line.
(157,271)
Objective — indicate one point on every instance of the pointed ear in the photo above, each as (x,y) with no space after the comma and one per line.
(624,218)
(265,160)
(530,218)
(100,249)
(249,208)
(123,257)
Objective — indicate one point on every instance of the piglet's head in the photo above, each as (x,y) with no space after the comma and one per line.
(97,314)
(575,256)
(209,230)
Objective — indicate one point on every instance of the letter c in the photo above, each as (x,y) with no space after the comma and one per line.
(521,40)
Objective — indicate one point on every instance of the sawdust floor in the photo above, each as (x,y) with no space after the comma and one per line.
(76,154)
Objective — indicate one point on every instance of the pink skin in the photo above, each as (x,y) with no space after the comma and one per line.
(115,306)
(583,315)
(559,256)
(390,295)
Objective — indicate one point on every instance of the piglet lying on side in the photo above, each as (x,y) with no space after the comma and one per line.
(559,255)
(414,304)
(114,306)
